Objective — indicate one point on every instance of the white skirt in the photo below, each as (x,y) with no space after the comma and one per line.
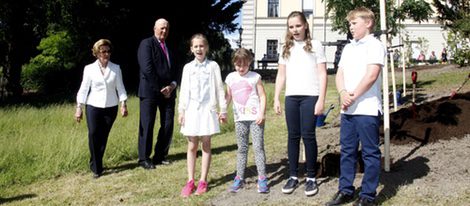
(200,120)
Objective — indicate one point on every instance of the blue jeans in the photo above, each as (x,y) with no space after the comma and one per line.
(301,122)
(363,129)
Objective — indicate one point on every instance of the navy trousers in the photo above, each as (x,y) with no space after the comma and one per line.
(301,122)
(99,123)
(148,111)
(361,129)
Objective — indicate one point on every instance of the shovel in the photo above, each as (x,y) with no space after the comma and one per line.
(453,93)
(321,118)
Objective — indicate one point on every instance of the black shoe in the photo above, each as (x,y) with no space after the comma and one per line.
(339,199)
(290,186)
(161,162)
(364,202)
(96,175)
(311,188)
(147,165)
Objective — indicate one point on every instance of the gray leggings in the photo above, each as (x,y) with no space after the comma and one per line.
(243,129)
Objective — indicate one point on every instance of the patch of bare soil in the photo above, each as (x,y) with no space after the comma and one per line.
(430,146)
(441,119)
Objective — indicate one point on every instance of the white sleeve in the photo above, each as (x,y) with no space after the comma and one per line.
(120,85)
(319,50)
(183,98)
(82,93)
(220,92)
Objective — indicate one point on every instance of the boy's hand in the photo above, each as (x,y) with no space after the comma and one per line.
(347,99)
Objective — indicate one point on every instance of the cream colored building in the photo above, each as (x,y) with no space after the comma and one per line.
(264,27)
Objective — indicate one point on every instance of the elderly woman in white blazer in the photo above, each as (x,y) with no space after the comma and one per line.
(101,91)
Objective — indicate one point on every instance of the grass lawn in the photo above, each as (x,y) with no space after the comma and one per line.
(44,155)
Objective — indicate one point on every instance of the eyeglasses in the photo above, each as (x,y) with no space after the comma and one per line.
(105,51)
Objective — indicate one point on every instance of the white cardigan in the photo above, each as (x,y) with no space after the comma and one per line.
(217,92)
(100,90)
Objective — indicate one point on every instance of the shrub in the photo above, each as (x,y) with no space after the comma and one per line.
(44,71)
(459,47)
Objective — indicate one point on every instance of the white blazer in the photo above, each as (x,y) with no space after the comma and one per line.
(100,90)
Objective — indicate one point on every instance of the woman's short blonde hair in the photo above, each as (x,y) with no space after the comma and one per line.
(98,44)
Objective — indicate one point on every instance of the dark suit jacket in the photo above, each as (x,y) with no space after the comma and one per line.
(155,71)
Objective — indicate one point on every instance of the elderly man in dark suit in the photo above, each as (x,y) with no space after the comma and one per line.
(157,84)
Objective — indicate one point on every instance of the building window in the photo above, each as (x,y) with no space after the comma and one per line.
(307,8)
(272,49)
(273,8)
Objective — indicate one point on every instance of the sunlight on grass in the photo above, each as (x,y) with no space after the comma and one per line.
(44,151)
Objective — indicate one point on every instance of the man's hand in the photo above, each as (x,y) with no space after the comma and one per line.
(166,91)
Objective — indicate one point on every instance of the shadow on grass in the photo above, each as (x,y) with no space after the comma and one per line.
(37,100)
(171,158)
(120,168)
(214,151)
(16,198)
(276,173)
(403,172)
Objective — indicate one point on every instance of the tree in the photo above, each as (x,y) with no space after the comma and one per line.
(418,10)
(455,16)
(24,23)
(21,24)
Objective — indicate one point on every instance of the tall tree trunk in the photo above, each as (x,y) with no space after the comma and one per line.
(19,44)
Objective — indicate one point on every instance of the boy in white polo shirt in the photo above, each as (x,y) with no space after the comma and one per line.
(358,83)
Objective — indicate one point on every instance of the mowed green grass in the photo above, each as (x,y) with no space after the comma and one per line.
(39,146)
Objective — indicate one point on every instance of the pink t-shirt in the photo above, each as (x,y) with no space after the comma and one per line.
(246,102)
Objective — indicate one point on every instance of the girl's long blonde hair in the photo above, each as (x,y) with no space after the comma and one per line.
(289,39)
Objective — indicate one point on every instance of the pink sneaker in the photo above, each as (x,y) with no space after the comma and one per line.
(188,189)
(201,187)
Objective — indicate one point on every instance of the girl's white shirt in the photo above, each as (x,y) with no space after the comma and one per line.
(202,82)
(301,69)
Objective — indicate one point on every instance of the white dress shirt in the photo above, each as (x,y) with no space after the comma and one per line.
(101,90)
(354,60)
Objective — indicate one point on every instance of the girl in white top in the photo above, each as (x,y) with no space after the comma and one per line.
(249,106)
(200,92)
(101,91)
(302,69)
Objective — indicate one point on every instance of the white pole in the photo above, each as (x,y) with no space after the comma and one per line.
(403,64)
(383,38)
(394,84)
(324,22)
(402,52)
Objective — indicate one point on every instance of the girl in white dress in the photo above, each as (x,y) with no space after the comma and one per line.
(200,92)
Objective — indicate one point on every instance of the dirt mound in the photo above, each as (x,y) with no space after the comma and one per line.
(431,121)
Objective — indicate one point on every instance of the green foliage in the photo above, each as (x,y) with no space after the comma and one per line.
(41,73)
(23,24)
(423,44)
(454,15)
(459,48)
(417,10)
